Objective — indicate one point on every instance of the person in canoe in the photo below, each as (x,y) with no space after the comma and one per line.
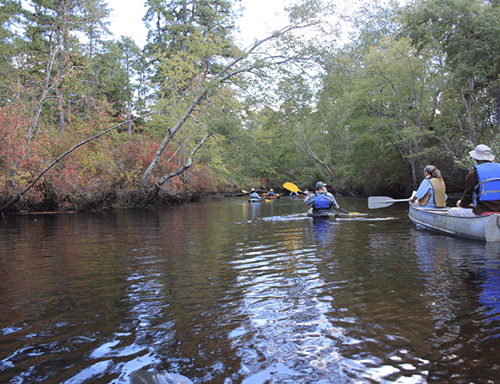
(482,186)
(254,194)
(321,199)
(432,190)
(271,194)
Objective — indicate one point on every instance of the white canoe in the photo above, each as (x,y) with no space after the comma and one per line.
(484,228)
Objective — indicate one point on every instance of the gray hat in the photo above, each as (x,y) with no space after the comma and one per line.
(482,152)
(319,185)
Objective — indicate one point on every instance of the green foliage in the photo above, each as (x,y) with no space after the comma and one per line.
(114,81)
(186,37)
(415,85)
(466,32)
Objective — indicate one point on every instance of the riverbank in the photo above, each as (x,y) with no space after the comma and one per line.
(109,200)
(113,199)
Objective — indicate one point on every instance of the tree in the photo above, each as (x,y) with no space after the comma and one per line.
(202,67)
(10,15)
(183,31)
(116,69)
(49,61)
(467,33)
(134,65)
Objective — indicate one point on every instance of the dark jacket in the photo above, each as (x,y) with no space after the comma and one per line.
(471,181)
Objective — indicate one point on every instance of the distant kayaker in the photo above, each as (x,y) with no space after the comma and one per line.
(254,194)
(482,185)
(432,191)
(322,199)
(271,193)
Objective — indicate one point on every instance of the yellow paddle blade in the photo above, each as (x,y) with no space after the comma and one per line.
(291,187)
(349,213)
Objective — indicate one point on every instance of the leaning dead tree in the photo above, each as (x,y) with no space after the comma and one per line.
(252,61)
(10,198)
(179,171)
(249,62)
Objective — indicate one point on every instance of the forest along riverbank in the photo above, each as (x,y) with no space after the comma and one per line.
(119,199)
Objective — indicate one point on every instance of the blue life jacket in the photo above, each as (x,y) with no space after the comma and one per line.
(321,202)
(488,188)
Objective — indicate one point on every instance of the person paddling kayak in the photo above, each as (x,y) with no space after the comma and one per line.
(321,199)
(254,195)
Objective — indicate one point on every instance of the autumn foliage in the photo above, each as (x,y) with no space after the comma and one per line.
(101,174)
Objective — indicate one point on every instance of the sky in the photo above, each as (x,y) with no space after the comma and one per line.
(259,17)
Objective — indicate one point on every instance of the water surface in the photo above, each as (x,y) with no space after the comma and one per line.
(224,291)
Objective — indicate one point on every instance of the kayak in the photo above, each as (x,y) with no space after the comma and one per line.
(254,200)
(483,228)
(326,213)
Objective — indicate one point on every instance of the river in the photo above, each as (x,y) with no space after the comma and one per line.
(224,291)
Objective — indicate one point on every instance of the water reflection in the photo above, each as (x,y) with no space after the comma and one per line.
(287,317)
(231,292)
(251,210)
(462,279)
(324,230)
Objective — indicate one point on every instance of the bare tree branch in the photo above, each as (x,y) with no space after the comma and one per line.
(177,172)
(10,201)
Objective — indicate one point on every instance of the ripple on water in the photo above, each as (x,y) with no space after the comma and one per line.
(226,293)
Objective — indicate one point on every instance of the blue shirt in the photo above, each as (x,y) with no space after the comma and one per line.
(426,186)
(254,195)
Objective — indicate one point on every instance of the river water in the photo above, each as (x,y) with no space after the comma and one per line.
(224,291)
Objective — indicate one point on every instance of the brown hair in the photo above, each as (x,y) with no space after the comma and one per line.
(433,171)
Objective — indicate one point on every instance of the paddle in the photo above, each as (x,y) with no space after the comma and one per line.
(382,201)
(349,213)
(293,188)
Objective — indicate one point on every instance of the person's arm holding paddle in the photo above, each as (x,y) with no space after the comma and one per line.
(332,200)
(310,198)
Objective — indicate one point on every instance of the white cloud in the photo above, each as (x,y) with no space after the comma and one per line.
(261,17)
(126,20)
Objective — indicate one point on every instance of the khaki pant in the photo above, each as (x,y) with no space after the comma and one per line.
(463,212)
